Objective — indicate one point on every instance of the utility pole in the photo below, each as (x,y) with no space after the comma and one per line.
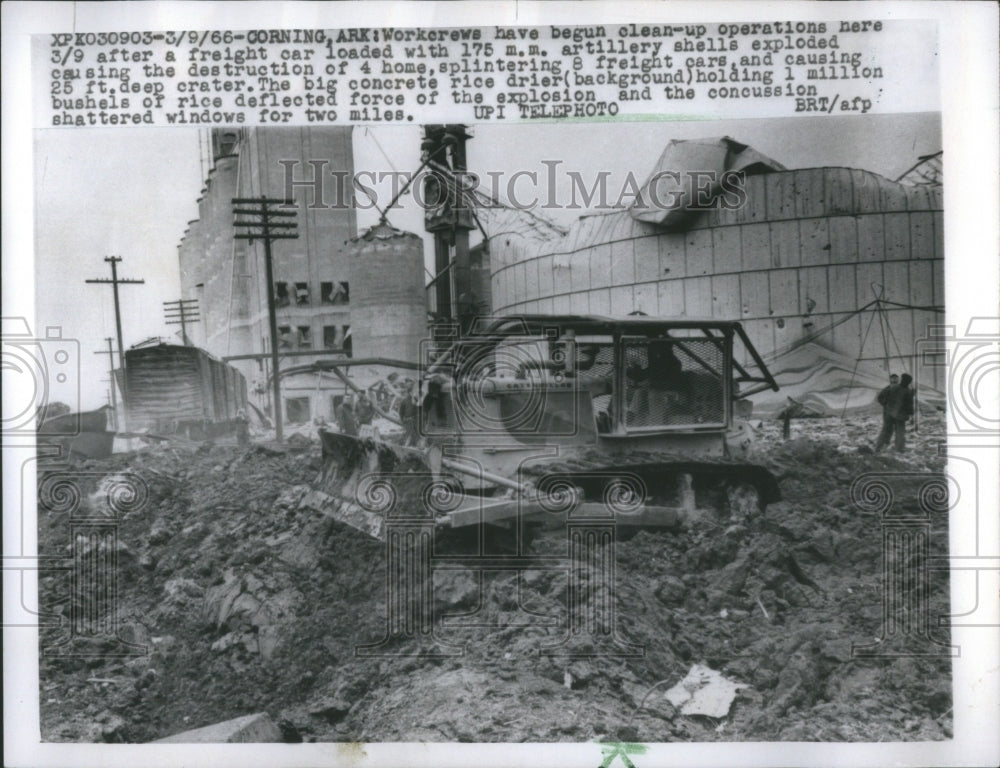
(182,312)
(115,281)
(267,224)
(111,373)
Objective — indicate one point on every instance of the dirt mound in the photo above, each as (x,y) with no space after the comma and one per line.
(249,601)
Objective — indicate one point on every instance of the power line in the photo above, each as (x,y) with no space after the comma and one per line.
(114,282)
(181,312)
(111,375)
(379,145)
(267,224)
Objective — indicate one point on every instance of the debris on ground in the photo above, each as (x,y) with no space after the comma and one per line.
(238,598)
(251,729)
(703,691)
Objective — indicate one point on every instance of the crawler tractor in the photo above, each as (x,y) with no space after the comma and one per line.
(530,420)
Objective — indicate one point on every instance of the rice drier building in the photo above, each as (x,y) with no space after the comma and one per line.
(801,264)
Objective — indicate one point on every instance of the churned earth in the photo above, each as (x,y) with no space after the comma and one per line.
(235,598)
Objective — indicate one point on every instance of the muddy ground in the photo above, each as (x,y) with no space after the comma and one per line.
(237,599)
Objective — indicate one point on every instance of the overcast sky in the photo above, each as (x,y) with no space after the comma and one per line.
(132,193)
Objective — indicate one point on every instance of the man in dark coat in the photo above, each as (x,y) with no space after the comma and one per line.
(897,406)
(364,411)
(345,417)
(242,429)
(408,413)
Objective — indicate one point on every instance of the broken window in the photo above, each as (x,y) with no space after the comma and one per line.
(336,337)
(302,294)
(326,292)
(336,292)
(330,337)
(346,343)
(225,143)
(281,294)
(305,337)
(284,337)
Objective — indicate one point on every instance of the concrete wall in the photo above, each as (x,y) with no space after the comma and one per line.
(796,260)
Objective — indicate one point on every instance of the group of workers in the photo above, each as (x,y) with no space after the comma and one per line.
(353,415)
(657,381)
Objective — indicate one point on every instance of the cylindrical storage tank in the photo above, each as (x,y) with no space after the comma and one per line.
(388,299)
(802,259)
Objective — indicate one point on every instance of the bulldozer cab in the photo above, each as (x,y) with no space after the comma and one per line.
(588,380)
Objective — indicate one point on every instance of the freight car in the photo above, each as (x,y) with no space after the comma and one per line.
(173,389)
(81,435)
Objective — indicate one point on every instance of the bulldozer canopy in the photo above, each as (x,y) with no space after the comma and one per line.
(489,334)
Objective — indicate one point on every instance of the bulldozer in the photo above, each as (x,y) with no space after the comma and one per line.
(526,421)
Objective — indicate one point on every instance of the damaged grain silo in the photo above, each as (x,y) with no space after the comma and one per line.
(390,306)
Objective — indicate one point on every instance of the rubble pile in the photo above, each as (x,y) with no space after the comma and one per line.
(248,601)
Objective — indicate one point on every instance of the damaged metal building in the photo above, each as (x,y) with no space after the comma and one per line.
(805,263)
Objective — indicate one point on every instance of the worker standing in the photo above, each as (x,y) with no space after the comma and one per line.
(242,429)
(408,417)
(897,406)
(882,399)
(346,419)
(364,412)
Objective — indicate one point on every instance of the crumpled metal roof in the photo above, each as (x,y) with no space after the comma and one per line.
(929,171)
(667,197)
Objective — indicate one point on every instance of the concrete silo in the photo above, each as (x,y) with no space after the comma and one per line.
(388,298)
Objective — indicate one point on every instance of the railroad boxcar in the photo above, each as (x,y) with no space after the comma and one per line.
(173,389)
(77,435)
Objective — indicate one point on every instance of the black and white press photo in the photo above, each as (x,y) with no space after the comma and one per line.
(589,386)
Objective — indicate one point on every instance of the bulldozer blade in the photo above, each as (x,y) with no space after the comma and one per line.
(347,512)
(347,458)
(348,463)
